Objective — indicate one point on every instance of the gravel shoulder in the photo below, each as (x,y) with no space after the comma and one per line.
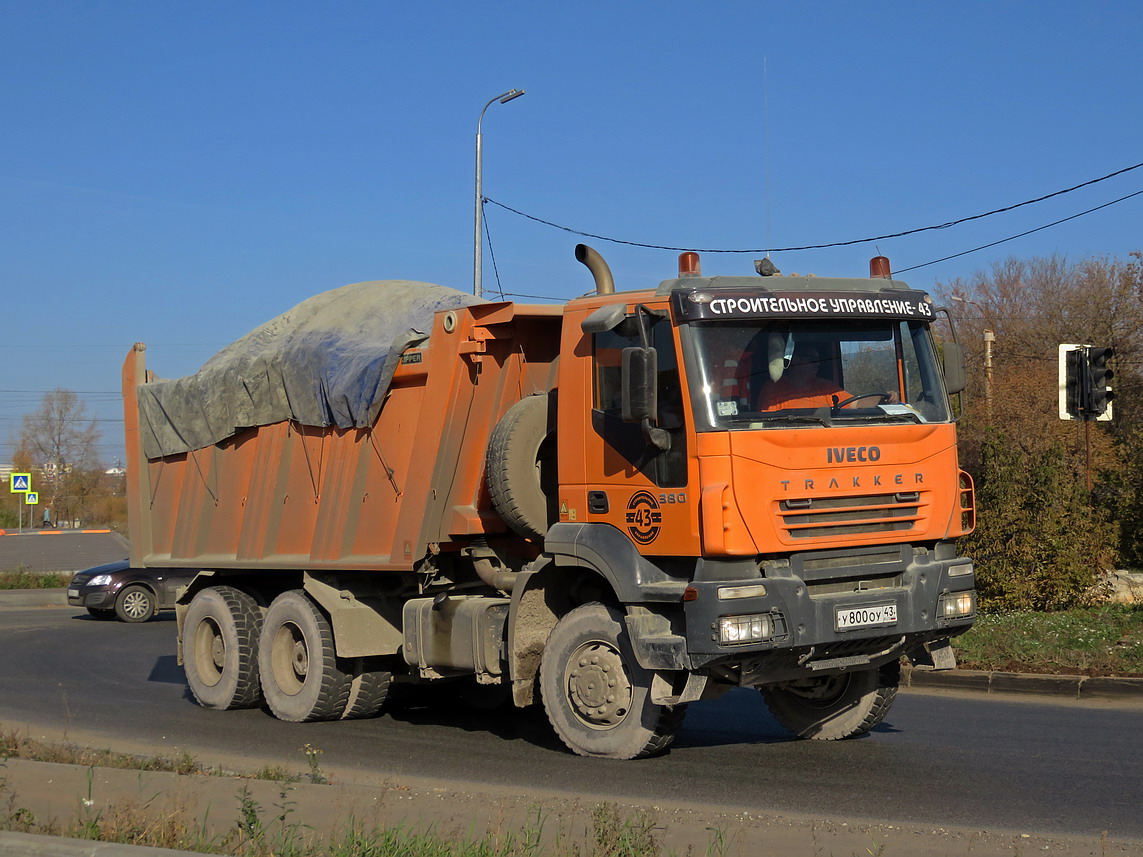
(53,791)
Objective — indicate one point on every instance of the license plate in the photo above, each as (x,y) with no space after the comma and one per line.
(864,617)
(73,593)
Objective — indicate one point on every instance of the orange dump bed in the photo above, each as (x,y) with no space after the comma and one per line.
(378,497)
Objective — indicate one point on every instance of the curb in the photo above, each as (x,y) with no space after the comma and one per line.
(34,845)
(1078,687)
(33,598)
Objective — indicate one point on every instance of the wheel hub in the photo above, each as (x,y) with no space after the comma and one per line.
(822,691)
(135,605)
(301,659)
(597,684)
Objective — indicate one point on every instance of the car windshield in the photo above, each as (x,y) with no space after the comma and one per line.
(791,373)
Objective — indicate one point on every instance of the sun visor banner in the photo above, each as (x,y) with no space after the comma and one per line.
(726,304)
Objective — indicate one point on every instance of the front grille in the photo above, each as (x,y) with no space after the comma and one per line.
(822,517)
(852,585)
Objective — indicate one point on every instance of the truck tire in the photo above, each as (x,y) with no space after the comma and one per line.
(597,697)
(831,708)
(135,603)
(301,678)
(521,468)
(368,689)
(220,648)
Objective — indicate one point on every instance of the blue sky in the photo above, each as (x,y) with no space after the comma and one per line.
(179,172)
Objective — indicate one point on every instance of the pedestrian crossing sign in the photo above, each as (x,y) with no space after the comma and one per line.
(31,498)
(20,483)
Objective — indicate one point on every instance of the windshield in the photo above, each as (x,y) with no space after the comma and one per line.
(791,373)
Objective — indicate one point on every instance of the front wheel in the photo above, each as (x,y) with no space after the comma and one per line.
(135,604)
(830,708)
(597,697)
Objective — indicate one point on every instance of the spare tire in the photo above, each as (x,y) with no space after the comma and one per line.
(521,467)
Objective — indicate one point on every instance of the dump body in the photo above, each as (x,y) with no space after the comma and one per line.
(612,508)
(290,496)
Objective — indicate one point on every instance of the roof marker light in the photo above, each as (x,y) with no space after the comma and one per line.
(689,264)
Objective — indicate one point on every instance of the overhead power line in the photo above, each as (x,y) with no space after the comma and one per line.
(1020,235)
(848,243)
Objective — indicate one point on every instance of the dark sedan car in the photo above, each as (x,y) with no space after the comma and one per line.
(131,594)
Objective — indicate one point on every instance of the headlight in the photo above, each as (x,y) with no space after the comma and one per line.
(745,629)
(100,580)
(957,605)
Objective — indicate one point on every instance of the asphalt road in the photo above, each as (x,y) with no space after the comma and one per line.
(940,759)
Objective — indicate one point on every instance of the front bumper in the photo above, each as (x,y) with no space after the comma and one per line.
(97,598)
(827,610)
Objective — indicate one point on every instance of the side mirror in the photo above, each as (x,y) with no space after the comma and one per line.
(955,381)
(639,371)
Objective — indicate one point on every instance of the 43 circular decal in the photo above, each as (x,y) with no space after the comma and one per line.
(644,519)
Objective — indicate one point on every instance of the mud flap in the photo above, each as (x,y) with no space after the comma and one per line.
(937,655)
(663,691)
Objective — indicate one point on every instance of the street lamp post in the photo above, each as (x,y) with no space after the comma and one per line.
(478,245)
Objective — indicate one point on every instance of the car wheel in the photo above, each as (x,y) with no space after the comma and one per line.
(101,613)
(135,604)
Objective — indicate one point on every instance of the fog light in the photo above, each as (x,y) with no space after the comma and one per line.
(958,605)
(745,629)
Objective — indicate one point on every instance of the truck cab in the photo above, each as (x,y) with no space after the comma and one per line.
(769,470)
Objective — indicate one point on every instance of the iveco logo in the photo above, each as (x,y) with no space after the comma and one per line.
(841,454)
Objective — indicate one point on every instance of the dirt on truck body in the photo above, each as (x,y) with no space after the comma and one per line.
(611,508)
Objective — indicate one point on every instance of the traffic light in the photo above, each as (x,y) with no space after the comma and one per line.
(1099,382)
(1073,381)
(1085,382)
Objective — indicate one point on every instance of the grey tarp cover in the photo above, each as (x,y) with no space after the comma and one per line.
(326,362)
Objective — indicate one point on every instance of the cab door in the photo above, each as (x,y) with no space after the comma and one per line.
(630,483)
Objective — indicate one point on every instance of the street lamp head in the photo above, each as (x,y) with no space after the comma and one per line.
(510,94)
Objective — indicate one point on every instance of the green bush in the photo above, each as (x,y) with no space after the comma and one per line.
(1039,543)
(21,578)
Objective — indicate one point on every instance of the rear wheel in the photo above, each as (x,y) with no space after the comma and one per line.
(368,689)
(301,679)
(220,648)
(834,707)
(135,604)
(596,695)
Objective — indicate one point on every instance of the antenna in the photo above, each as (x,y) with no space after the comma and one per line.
(768,213)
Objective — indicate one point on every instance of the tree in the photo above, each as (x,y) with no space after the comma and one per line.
(1042,537)
(58,442)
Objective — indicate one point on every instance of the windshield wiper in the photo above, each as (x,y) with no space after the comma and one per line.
(821,415)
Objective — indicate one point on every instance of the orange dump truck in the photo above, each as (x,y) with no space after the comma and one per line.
(611,508)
